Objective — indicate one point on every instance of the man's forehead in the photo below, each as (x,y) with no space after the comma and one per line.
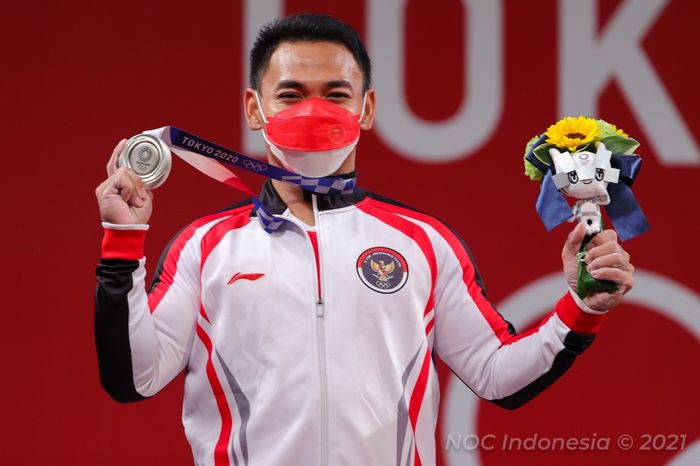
(312,63)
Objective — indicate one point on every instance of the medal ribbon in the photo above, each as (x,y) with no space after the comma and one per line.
(208,158)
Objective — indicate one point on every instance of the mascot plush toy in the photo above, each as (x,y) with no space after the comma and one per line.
(594,163)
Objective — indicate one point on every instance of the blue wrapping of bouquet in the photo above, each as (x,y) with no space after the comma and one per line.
(624,211)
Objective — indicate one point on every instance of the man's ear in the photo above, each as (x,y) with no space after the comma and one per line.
(252,111)
(368,117)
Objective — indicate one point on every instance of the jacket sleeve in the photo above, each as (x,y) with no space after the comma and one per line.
(144,341)
(484,350)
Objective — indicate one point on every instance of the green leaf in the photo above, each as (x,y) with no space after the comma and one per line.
(531,143)
(533,172)
(606,129)
(618,144)
(542,154)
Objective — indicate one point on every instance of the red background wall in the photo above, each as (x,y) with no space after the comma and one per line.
(78,76)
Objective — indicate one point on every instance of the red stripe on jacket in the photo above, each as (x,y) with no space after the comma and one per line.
(213,237)
(170,263)
(566,309)
(222,444)
(416,233)
(413,231)
(495,321)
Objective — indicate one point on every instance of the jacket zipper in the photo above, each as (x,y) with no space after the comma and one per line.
(321,339)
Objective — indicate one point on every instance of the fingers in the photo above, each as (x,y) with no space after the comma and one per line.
(126,184)
(112,164)
(130,187)
(605,236)
(607,260)
(614,259)
(574,240)
(623,278)
(604,249)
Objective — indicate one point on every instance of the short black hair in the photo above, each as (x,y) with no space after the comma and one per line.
(307,27)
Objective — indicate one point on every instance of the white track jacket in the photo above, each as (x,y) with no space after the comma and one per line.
(317,346)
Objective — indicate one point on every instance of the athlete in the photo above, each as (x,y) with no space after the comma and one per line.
(313,343)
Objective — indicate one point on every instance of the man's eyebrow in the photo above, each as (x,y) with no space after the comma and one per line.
(290,84)
(338,83)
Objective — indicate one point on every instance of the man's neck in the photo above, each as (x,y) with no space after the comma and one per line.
(293,196)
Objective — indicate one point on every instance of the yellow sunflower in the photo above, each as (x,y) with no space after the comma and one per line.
(572,133)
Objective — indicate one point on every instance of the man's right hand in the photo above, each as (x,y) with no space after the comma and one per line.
(122,197)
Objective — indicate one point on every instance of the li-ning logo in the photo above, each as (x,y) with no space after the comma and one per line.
(244,276)
(382,270)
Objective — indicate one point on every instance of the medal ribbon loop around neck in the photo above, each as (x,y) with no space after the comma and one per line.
(209,158)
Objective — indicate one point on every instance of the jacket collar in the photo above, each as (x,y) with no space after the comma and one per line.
(272,200)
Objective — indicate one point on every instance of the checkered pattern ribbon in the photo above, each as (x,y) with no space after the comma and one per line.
(208,158)
(322,185)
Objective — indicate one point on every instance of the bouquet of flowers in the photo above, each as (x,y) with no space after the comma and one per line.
(593,162)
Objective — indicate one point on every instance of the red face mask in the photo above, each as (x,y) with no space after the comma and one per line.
(313,137)
(314,124)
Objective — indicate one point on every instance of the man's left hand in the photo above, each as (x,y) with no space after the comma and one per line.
(605,260)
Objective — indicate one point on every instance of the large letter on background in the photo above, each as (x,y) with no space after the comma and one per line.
(256,13)
(587,63)
(478,115)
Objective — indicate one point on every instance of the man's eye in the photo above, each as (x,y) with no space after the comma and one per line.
(338,95)
(288,96)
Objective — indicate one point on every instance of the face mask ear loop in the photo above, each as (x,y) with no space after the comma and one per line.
(362,114)
(257,100)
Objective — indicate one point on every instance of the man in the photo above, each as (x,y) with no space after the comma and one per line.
(313,344)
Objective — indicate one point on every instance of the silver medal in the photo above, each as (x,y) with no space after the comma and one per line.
(149,157)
